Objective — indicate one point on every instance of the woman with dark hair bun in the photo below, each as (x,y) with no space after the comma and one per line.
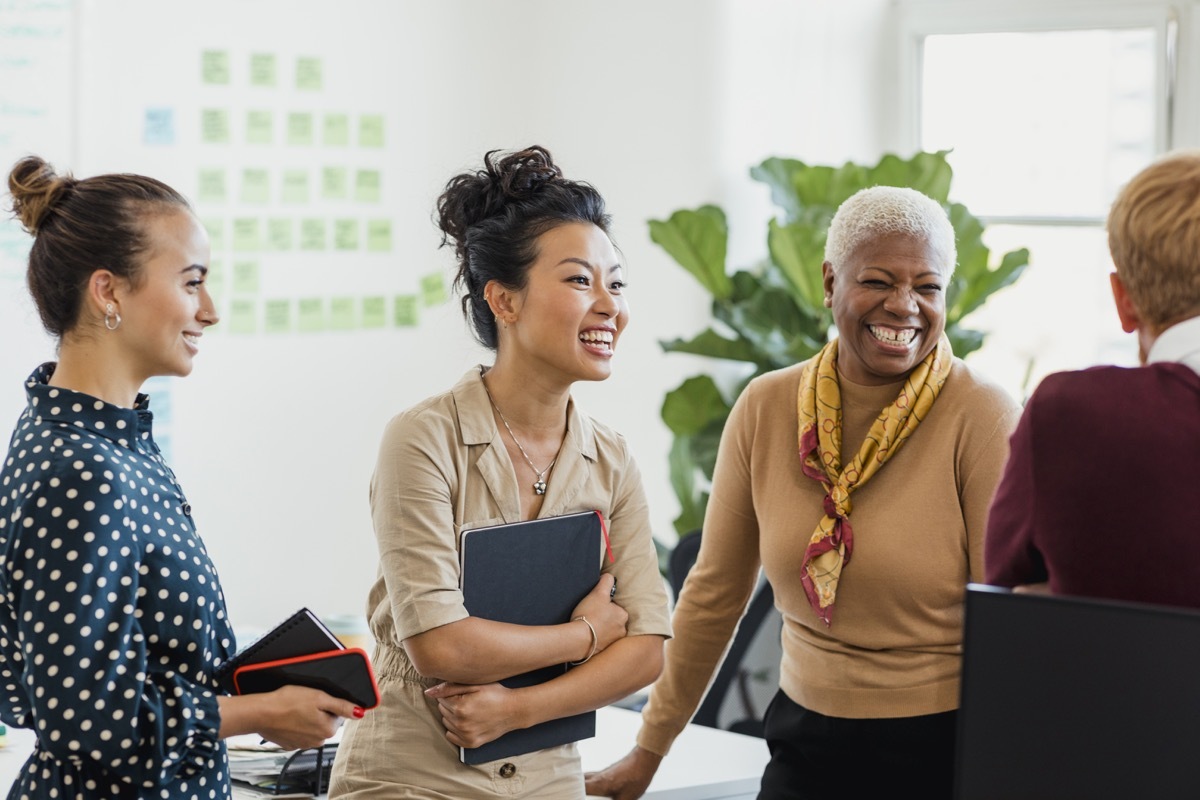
(541,286)
(112,619)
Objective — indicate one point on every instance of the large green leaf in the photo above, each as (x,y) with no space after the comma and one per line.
(778,173)
(963,341)
(799,251)
(697,240)
(982,285)
(928,173)
(683,480)
(706,443)
(975,280)
(689,407)
(712,344)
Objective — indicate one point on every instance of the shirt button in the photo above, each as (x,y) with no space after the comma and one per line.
(508,770)
(187,509)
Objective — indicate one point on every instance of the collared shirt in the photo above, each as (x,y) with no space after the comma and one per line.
(111,614)
(443,469)
(1180,343)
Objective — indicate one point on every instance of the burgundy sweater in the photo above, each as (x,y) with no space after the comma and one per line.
(1101,493)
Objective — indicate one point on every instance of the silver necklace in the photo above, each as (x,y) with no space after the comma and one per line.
(539,486)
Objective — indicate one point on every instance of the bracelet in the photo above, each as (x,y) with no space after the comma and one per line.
(595,641)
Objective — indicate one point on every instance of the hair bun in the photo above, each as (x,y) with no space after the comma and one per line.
(472,197)
(36,189)
(520,173)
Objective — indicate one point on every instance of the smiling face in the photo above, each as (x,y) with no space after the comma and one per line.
(569,317)
(889,305)
(167,309)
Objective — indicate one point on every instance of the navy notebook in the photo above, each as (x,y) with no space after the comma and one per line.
(531,573)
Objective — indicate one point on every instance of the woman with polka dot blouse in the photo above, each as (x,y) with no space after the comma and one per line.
(543,288)
(112,620)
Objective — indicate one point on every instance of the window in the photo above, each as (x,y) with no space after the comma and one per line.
(1048,109)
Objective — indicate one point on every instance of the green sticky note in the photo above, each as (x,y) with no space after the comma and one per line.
(374,312)
(279,234)
(370,130)
(404,311)
(334,183)
(247,234)
(312,234)
(216,233)
(212,186)
(312,314)
(214,126)
(433,290)
(342,314)
(299,128)
(277,316)
(214,66)
(262,69)
(245,277)
(256,186)
(295,186)
(379,235)
(259,127)
(345,234)
(336,132)
(243,316)
(308,73)
(214,281)
(367,185)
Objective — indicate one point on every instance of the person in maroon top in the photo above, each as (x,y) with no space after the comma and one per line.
(1099,496)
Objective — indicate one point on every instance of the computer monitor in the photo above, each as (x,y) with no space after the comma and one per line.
(1065,697)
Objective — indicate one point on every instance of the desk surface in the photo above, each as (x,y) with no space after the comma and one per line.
(704,764)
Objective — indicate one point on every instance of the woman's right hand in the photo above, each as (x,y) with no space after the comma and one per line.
(627,779)
(296,717)
(607,618)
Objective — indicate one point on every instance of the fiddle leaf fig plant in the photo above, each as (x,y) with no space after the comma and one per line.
(772,315)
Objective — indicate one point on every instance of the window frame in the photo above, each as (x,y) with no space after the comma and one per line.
(1177,45)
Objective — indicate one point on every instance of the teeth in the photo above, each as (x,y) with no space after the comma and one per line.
(598,337)
(191,337)
(892,336)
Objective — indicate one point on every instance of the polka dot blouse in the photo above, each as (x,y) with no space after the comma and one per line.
(111,615)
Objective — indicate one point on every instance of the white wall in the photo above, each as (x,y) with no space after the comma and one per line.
(662,105)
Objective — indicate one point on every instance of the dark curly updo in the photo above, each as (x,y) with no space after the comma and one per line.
(494,217)
(80,226)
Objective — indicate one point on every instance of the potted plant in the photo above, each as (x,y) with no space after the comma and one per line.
(772,315)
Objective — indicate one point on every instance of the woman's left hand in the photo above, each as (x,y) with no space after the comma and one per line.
(475,714)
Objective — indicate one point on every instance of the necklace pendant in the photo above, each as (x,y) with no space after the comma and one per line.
(539,487)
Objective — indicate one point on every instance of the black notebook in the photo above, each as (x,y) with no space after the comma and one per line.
(301,634)
(531,573)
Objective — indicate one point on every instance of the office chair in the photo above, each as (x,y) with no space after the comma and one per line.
(731,672)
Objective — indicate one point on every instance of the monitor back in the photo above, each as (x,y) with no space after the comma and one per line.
(1066,697)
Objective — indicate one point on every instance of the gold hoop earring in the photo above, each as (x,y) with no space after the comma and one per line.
(112,319)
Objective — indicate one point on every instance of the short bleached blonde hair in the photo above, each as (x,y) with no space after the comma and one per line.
(886,210)
(1154,238)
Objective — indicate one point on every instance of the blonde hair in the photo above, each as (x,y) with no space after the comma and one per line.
(1154,238)
(886,210)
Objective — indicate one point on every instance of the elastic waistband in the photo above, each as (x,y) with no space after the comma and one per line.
(392,662)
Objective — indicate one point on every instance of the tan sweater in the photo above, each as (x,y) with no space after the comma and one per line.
(894,647)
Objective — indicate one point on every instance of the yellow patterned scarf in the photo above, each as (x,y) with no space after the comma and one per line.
(820,409)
